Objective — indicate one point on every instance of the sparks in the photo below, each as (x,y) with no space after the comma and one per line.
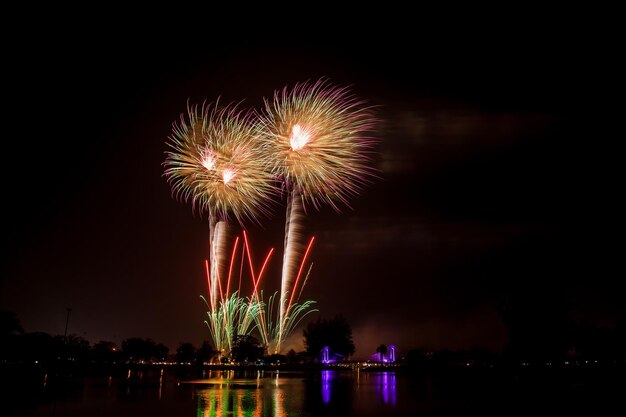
(207,148)
(230,314)
(334,127)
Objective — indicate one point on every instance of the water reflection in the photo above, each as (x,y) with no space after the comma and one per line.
(226,401)
(327,376)
(161,385)
(313,394)
(382,383)
(386,386)
(238,397)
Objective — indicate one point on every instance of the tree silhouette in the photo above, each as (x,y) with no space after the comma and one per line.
(205,352)
(161,351)
(105,352)
(292,356)
(539,326)
(185,353)
(9,324)
(75,348)
(247,348)
(382,351)
(10,329)
(137,349)
(335,333)
(38,347)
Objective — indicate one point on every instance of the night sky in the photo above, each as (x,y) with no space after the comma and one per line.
(497,180)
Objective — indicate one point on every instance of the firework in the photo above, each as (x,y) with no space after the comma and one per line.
(320,142)
(272,327)
(217,161)
(320,145)
(231,315)
(274,333)
(314,138)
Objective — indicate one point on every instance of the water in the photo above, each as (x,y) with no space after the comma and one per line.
(322,393)
(165,392)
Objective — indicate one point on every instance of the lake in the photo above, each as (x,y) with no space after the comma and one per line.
(165,392)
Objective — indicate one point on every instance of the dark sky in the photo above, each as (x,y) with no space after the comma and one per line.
(497,179)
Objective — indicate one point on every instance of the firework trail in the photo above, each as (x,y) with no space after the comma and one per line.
(235,315)
(294,245)
(231,314)
(218,162)
(320,145)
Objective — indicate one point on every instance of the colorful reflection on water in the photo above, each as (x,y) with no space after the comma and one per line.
(327,376)
(226,401)
(386,386)
(253,397)
(174,392)
(226,395)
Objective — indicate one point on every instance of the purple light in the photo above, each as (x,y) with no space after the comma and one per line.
(326,377)
(390,357)
(392,353)
(325,355)
(387,387)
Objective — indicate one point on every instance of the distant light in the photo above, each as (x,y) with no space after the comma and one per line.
(325,355)
(299,137)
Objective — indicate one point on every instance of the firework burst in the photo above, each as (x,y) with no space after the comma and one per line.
(218,161)
(320,137)
(320,144)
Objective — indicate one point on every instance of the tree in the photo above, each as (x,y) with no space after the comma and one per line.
(205,352)
(539,326)
(161,351)
(105,352)
(185,353)
(10,329)
(335,333)
(292,356)
(75,348)
(417,359)
(9,324)
(137,349)
(382,351)
(276,359)
(38,347)
(247,349)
